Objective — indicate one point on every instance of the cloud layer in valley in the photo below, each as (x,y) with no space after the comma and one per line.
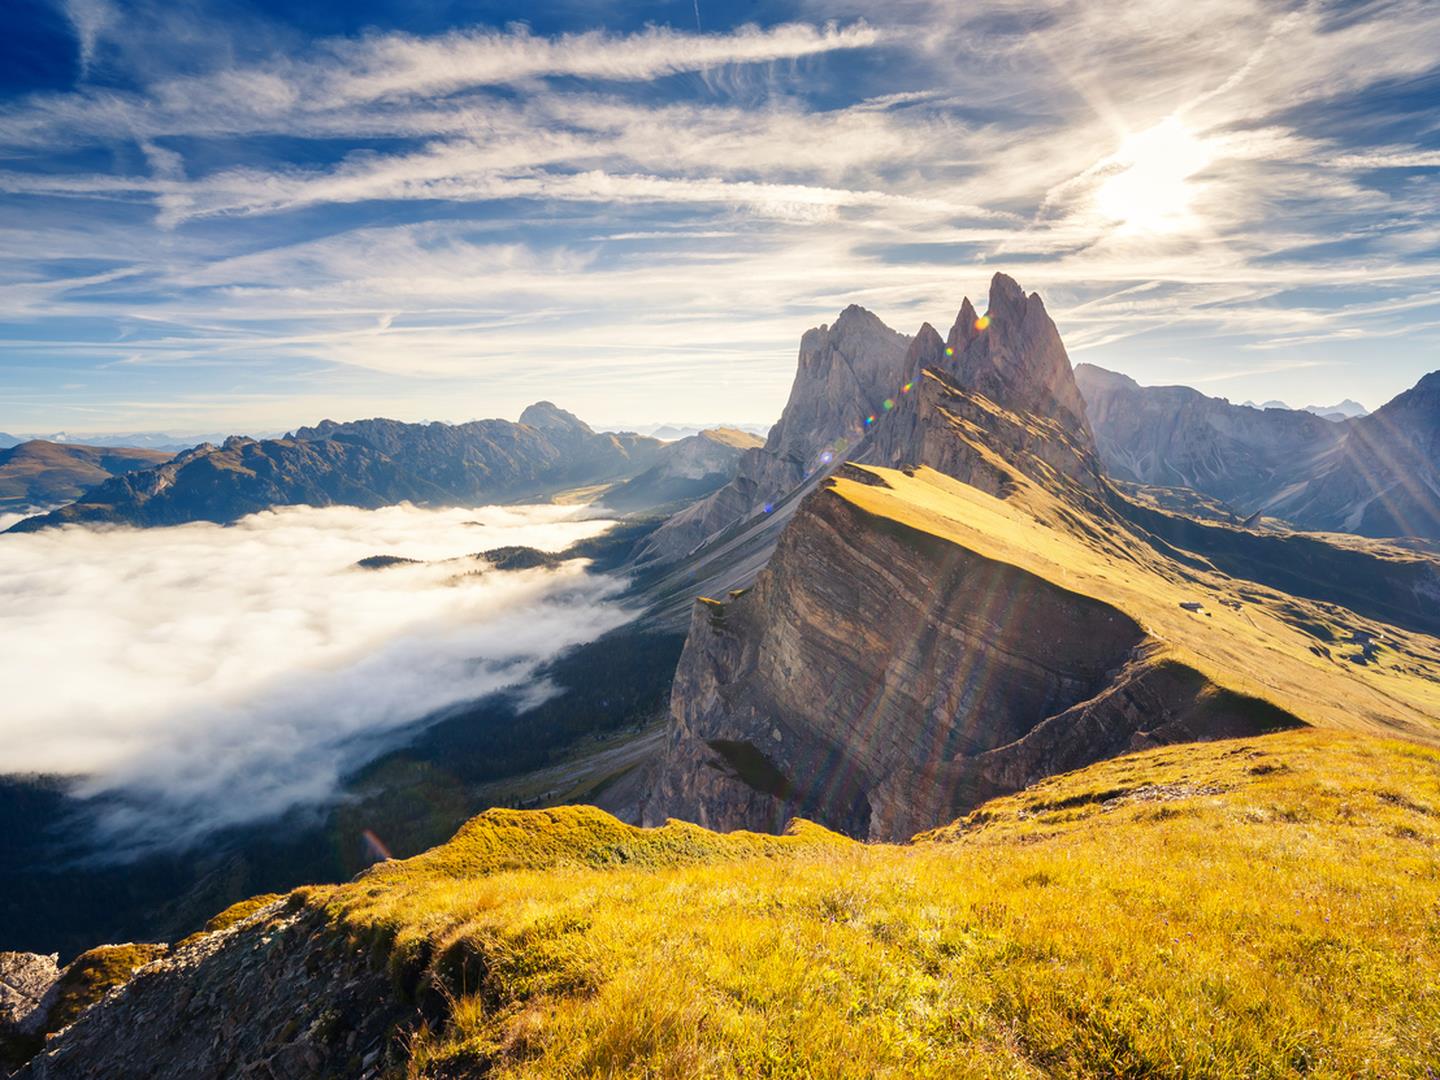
(446,220)
(218,676)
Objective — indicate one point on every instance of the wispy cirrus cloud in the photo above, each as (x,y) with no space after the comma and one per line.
(473,202)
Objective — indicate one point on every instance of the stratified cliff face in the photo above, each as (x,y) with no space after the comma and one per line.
(845,373)
(863,654)
(881,679)
(365,463)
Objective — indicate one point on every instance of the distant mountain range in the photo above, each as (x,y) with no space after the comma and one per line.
(672,430)
(1344,410)
(1376,474)
(689,468)
(148,440)
(371,463)
(40,473)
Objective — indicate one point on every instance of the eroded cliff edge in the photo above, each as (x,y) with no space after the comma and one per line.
(879,679)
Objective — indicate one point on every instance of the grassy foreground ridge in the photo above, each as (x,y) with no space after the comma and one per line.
(1258,907)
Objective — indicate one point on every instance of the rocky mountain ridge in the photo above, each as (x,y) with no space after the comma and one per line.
(367,463)
(845,373)
(690,468)
(1373,475)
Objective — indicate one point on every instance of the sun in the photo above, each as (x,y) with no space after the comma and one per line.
(1153,191)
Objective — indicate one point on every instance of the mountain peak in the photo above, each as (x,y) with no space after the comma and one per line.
(1014,356)
(926,350)
(547,416)
(1007,295)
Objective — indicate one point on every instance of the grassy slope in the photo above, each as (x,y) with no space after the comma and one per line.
(1256,644)
(1259,907)
(44,472)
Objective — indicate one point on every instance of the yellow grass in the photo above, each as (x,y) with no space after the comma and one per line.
(1253,644)
(1260,907)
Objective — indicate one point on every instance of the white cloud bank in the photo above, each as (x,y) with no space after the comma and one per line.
(220,676)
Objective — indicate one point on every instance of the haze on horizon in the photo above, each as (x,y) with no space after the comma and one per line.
(243,215)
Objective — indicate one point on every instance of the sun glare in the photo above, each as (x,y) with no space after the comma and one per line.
(1153,192)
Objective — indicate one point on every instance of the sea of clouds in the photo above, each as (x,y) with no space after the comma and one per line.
(200,677)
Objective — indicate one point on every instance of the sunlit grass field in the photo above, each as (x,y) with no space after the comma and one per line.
(1260,907)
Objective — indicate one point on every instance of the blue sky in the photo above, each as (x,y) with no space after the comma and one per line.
(244,216)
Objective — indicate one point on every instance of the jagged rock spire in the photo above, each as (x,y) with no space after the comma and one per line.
(1014,356)
(926,350)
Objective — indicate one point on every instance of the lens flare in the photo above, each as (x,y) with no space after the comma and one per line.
(375,847)
(982,322)
(906,388)
(948,352)
(826,457)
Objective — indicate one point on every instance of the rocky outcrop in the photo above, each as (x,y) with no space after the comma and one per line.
(1013,355)
(685,470)
(279,994)
(367,463)
(846,372)
(26,982)
(996,397)
(1375,475)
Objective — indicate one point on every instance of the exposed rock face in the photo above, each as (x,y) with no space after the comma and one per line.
(686,469)
(1013,355)
(1173,436)
(44,473)
(292,998)
(1375,475)
(996,397)
(861,655)
(366,463)
(880,680)
(845,373)
(1385,479)
(26,981)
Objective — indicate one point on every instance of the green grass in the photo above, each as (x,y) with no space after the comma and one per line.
(1259,907)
